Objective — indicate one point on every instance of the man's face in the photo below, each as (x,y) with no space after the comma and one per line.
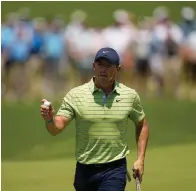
(105,72)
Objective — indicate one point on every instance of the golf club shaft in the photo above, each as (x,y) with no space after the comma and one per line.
(138,186)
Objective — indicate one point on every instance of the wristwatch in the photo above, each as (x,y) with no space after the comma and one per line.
(50,121)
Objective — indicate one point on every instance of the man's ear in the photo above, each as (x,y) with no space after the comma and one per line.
(118,68)
(93,65)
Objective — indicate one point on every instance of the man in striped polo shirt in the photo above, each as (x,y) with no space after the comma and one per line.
(101,109)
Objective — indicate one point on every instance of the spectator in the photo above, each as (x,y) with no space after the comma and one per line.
(18,53)
(188,50)
(52,52)
(142,55)
(166,39)
(188,23)
(123,31)
(82,46)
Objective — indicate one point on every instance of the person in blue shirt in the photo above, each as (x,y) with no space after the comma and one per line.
(53,51)
(17,55)
(188,26)
(38,36)
(188,23)
(8,30)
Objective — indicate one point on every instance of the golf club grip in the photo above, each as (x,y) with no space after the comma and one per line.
(138,186)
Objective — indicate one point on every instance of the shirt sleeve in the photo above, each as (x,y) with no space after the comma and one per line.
(137,113)
(67,107)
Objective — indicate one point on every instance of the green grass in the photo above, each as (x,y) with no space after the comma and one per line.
(170,168)
(100,13)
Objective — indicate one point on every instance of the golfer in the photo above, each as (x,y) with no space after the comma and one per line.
(101,109)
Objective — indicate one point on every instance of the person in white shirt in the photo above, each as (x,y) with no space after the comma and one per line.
(120,35)
(166,39)
(142,55)
(82,48)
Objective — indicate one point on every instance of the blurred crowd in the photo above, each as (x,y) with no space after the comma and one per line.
(47,57)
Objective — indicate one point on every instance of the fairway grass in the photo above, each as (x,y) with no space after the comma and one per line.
(169,168)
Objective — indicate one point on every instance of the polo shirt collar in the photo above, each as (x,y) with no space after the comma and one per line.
(93,88)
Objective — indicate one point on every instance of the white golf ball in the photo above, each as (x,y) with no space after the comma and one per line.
(47,103)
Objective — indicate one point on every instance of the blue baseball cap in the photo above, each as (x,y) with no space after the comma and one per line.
(108,54)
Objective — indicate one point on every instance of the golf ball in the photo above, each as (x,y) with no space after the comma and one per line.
(47,103)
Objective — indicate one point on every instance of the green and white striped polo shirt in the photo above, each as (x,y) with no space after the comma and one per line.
(101,121)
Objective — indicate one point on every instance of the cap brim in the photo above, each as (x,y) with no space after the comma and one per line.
(107,59)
